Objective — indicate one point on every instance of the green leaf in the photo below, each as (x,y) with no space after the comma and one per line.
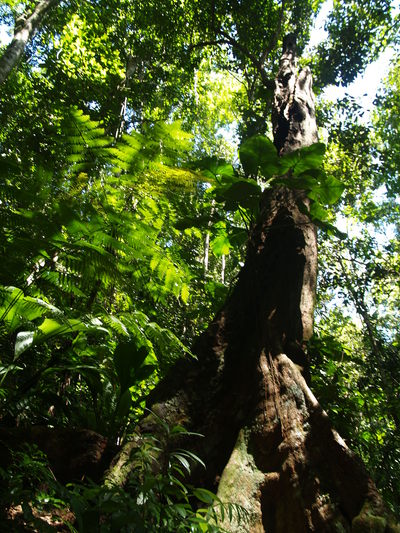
(204,496)
(124,404)
(185,293)
(328,191)
(190,222)
(331,229)
(128,361)
(23,341)
(16,308)
(308,158)
(181,509)
(220,245)
(237,236)
(213,167)
(243,192)
(317,212)
(8,310)
(259,152)
(321,188)
(50,328)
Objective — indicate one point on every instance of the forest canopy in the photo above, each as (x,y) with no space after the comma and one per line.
(136,145)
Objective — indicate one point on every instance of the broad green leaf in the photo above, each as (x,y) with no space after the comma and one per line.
(181,509)
(237,236)
(308,158)
(128,360)
(330,229)
(50,328)
(217,290)
(320,187)
(212,168)
(259,152)
(243,192)
(16,308)
(204,495)
(10,298)
(23,341)
(124,404)
(220,245)
(317,212)
(328,191)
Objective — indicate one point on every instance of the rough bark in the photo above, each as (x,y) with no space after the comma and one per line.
(268,444)
(24,30)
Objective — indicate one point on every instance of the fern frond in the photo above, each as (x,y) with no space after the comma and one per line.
(16,308)
(167,347)
(61,282)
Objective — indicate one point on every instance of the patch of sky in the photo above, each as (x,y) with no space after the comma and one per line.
(366,85)
(363,89)
(5,34)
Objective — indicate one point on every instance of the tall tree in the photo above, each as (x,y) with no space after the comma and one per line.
(24,30)
(92,236)
(268,444)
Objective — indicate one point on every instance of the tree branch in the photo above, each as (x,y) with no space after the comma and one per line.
(227,39)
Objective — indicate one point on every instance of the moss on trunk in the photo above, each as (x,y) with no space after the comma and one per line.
(241,483)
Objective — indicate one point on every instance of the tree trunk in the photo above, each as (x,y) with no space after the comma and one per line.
(24,30)
(268,444)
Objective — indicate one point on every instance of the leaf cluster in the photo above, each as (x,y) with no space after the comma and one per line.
(157,497)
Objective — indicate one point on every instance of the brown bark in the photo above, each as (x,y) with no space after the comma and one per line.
(23,33)
(268,444)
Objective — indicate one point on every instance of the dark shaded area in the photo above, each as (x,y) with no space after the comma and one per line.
(73,454)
